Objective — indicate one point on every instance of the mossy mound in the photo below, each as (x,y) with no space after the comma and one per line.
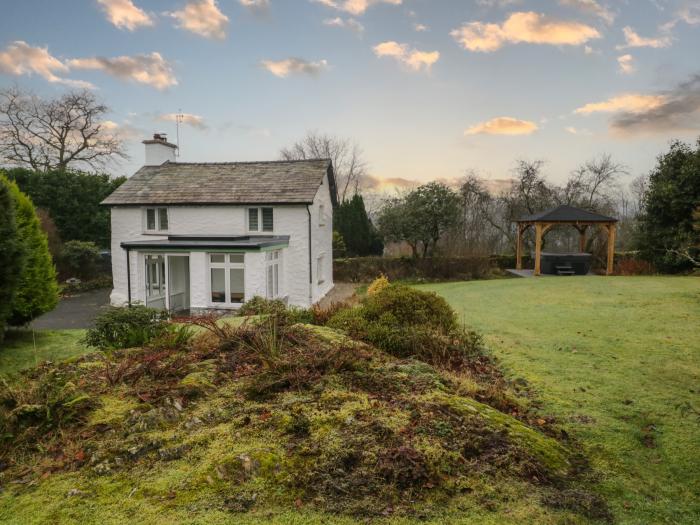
(265,415)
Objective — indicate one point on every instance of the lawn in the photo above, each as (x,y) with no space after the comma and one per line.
(26,348)
(617,361)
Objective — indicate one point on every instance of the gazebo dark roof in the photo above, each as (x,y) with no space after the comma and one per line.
(566,213)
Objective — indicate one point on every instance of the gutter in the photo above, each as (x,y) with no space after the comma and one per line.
(311,278)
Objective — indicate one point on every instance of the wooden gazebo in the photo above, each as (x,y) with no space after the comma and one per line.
(576,217)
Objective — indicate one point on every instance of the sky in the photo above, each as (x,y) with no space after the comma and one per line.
(429,89)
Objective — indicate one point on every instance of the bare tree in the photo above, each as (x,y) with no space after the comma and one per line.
(599,177)
(57,133)
(348,164)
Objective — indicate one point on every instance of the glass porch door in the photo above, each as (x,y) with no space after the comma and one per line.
(155,282)
(168,282)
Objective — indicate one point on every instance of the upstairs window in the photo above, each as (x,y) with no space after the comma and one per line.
(321,215)
(261,220)
(156,219)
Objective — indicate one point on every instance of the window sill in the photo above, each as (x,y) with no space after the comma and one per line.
(225,306)
(152,232)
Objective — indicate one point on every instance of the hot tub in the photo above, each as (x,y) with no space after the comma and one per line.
(565,263)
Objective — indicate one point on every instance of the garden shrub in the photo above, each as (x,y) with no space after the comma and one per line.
(276,308)
(37,292)
(411,307)
(630,264)
(80,259)
(126,327)
(261,306)
(378,285)
(49,399)
(12,255)
(406,322)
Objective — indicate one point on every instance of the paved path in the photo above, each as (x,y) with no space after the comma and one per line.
(76,311)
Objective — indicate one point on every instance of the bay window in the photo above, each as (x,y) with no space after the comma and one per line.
(227,278)
(272,273)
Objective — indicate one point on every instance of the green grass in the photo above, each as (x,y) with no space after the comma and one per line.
(617,360)
(18,350)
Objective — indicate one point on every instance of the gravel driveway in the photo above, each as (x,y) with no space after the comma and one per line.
(76,311)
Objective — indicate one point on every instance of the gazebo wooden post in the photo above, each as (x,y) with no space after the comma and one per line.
(582,238)
(612,230)
(538,247)
(519,248)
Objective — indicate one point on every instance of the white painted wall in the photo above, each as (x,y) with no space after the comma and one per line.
(157,154)
(322,236)
(292,220)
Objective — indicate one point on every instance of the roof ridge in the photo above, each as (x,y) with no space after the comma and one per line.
(231,162)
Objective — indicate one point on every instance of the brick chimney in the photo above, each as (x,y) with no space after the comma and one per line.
(159,150)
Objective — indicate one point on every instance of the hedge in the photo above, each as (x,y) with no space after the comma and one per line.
(364,269)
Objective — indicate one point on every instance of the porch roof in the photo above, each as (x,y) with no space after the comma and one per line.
(211,242)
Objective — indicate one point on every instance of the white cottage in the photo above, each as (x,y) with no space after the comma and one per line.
(203,236)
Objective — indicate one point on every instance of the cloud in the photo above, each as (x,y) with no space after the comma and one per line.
(289,66)
(498,3)
(125,15)
(413,59)
(19,58)
(523,27)
(421,28)
(152,69)
(355,7)
(503,126)
(629,102)
(626,63)
(632,39)
(349,23)
(195,121)
(577,131)
(592,7)
(258,7)
(123,131)
(676,110)
(203,18)
(689,13)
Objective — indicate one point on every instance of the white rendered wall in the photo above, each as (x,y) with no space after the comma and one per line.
(157,154)
(128,225)
(322,240)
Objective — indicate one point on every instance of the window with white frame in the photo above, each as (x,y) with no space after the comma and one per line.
(156,219)
(320,274)
(272,273)
(260,220)
(227,278)
(321,215)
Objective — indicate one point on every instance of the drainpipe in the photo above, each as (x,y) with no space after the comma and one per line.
(311,277)
(128,275)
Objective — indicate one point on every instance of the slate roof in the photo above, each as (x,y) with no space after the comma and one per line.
(566,213)
(276,182)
